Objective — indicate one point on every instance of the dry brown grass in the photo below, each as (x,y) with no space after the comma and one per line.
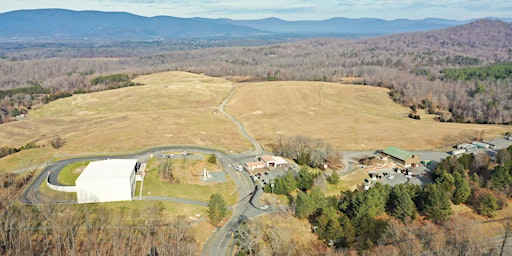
(351,117)
(171,108)
(179,108)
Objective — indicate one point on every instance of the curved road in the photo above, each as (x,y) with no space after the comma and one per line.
(248,194)
(219,241)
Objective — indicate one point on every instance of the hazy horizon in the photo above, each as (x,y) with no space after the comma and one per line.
(285,9)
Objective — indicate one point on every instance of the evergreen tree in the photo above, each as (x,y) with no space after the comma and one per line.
(368,230)
(304,206)
(462,189)
(501,179)
(334,178)
(308,203)
(216,209)
(15,112)
(318,198)
(446,182)
(401,203)
(335,227)
(436,205)
(286,184)
(488,205)
(372,202)
(305,178)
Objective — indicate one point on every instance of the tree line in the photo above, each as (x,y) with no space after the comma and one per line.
(20,100)
(308,151)
(498,71)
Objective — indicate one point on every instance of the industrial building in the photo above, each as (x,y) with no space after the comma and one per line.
(400,156)
(107,181)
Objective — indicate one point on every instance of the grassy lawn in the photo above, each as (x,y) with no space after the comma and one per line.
(25,159)
(70,173)
(189,184)
(202,192)
(347,182)
(170,209)
(59,196)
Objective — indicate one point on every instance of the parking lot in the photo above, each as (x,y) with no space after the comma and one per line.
(420,175)
(264,176)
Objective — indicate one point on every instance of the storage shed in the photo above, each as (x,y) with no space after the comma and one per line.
(107,181)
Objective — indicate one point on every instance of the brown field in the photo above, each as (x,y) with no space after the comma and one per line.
(351,117)
(179,108)
(171,108)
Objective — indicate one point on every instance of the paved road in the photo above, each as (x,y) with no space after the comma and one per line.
(219,242)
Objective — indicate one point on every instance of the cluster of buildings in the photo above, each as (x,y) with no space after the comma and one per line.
(468,148)
(114,179)
(265,161)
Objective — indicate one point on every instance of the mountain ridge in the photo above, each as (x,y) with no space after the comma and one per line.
(62,24)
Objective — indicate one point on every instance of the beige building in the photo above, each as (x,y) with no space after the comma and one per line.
(401,157)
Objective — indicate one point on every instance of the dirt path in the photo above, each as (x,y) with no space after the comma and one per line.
(258,149)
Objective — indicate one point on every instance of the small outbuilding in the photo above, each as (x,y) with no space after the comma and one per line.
(401,157)
(107,181)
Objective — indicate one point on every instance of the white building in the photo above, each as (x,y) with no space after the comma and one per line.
(107,181)
(273,161)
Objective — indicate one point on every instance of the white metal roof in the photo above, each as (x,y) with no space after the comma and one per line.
(279,160)
(108,169)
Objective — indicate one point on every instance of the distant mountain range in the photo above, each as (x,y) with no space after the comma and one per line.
(59,24)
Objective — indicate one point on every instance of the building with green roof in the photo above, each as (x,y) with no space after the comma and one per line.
(400,156)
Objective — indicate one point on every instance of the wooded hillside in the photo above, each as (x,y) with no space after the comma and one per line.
(410,64)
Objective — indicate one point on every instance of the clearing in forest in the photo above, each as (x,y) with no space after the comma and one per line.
(350,117)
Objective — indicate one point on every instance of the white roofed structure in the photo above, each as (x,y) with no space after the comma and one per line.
(273,161)
(107,181)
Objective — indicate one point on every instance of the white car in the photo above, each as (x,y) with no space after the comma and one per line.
(390,177)
(264,207)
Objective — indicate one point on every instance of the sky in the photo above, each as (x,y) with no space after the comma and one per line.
(283,9)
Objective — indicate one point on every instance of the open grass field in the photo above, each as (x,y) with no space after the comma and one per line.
(351,117)
(170,108)
(180,108)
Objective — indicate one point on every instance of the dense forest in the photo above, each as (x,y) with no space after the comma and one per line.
(413,65)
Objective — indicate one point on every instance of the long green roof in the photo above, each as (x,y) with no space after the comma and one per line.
(397,153)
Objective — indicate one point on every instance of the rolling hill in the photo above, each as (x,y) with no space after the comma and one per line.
(179,108)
